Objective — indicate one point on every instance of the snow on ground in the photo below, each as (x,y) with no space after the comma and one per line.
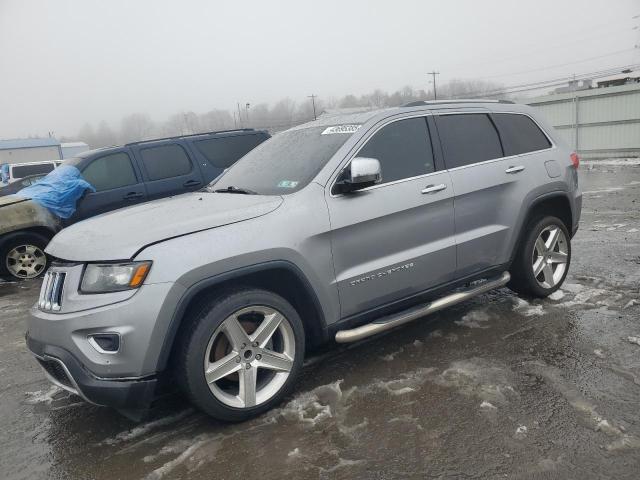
(612,162)
(474,319)
(42,397)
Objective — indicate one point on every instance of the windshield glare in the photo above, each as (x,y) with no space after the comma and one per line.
(283,164)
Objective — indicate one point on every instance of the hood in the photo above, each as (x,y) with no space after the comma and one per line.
(10,200)
(120,234)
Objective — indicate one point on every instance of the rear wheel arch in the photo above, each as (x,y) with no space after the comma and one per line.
(280,277)
(556,204)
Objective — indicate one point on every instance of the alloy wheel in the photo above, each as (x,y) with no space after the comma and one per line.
(26,261)
(249,357)
(550,256)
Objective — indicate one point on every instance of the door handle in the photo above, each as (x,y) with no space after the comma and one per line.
(191,183)
(517,169)
(433,188)
(132,196)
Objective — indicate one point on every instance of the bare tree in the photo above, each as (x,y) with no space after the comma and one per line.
(136,127)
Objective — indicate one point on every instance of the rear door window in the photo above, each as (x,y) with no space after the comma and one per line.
(166,161)
(468,138)
(223,152)
(109,172)
(403,149)
(520,134)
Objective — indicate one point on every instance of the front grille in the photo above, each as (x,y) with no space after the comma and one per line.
(51,292)
(56,371)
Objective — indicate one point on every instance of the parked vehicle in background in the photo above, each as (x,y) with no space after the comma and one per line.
(18,171)
(341,228)
(122,176)
(20,184)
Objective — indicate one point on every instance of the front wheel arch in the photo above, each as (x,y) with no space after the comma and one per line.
(278,276)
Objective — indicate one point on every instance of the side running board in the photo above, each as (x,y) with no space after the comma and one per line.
(392,321)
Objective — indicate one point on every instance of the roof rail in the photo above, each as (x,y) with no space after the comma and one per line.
(420,103)
(191,135)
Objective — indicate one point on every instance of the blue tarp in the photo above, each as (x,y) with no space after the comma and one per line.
(58,191)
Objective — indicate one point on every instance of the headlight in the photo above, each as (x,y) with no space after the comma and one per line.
(113,277)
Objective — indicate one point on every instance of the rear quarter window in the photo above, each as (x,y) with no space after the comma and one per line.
(520,134)
(222,152)
(37,169)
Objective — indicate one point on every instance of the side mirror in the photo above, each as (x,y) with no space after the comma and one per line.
(361,173)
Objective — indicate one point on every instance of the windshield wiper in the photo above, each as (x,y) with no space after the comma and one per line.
(232,189)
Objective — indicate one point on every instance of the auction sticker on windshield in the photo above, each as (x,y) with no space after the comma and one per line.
(341,129)
(287,184)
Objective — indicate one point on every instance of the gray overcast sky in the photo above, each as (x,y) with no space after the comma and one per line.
(64,62)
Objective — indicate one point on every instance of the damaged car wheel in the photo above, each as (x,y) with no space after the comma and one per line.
(22,256)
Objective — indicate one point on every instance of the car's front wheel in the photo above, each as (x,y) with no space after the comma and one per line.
(542,261)
(241,354)
(22,256)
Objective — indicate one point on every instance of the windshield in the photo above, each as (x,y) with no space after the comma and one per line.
(285,163)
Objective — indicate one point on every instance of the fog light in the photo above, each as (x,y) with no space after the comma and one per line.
(105,342)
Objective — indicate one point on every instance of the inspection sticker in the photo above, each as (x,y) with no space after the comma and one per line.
(287,184)
(341,129)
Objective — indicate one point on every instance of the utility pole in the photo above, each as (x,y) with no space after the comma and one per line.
(239,115)
(313,102)
(435,92)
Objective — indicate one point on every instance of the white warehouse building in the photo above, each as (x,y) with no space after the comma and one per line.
(27,150)
(598,122)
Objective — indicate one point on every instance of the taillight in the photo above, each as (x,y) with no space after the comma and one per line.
(575,160)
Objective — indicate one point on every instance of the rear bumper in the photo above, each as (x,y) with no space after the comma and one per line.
(65,371)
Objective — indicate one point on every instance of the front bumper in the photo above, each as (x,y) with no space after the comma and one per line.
(66,371)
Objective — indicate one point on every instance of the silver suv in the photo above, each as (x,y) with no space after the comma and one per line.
(337,229)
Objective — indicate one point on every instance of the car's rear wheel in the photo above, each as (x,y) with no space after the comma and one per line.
(22,256)
(542,261)
(241,354)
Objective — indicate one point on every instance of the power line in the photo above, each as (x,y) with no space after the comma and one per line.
(547,83)
(618,52)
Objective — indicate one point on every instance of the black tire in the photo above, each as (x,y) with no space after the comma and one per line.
(523,280)
(189,366)
(13,240)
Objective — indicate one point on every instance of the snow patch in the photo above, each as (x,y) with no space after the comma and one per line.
(631,303)
(488,405)
(474,319)
(557,295)
(612,162)
(145,428)
(603,190)
(391,356)
(168,467)
(479,378)
(294,453)
(635,340)
(599,353)
(526,309)
(521,431)
(317,405)
(342,463)
(40,397)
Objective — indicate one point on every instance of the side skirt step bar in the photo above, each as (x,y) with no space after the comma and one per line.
(392,321)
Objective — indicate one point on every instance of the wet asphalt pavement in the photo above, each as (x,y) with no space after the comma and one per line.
(498,387)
